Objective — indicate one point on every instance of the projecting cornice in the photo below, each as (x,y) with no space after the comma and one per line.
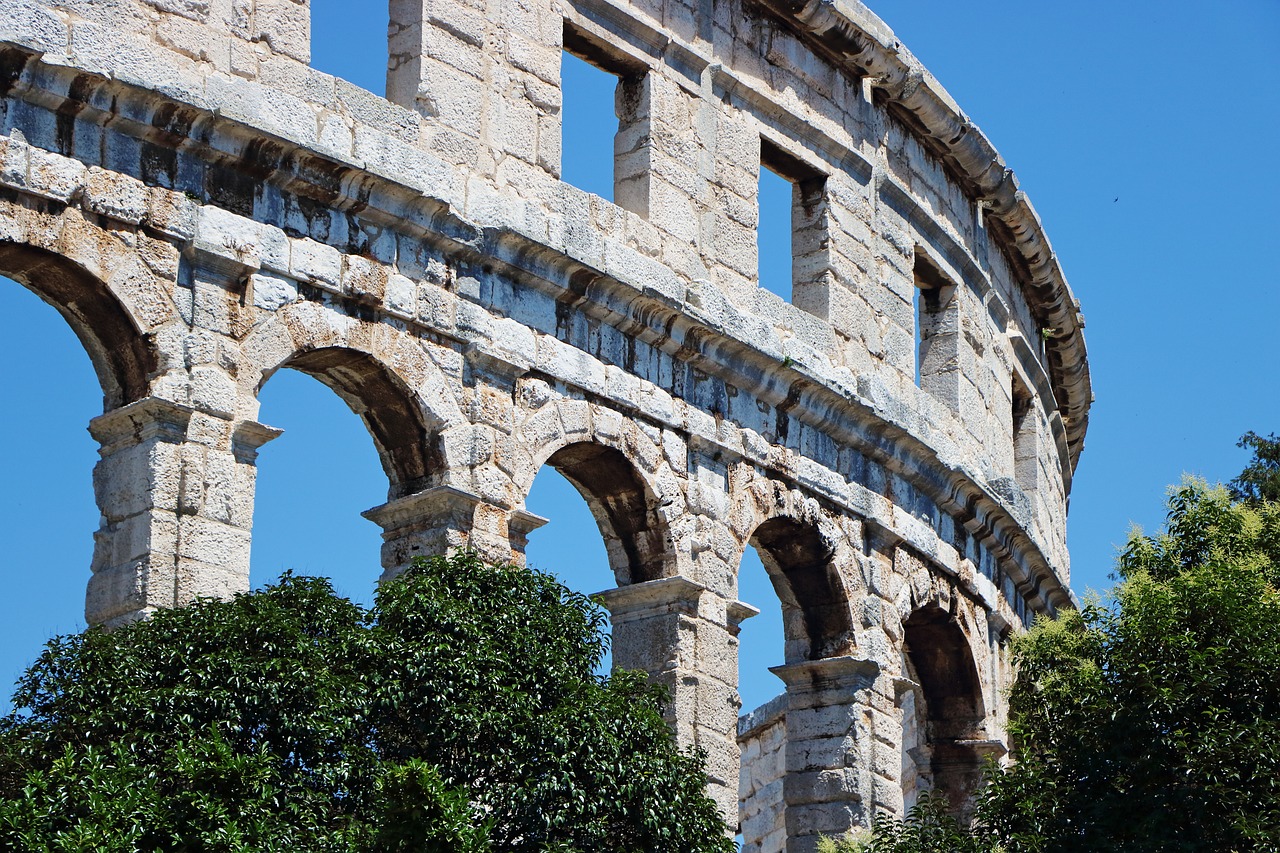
(854,35)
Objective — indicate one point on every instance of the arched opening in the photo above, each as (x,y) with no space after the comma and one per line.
(633,542)
(47,508)
(815,611)
(761,638)
(386,406)
(569,545)
(350,42)
(119,354)
(316,479)
(787,574)
(943,714)
(625,510)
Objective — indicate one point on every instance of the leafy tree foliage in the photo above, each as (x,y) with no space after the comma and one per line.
(1153,723)
(927,828)
(459,714)
(1260,480)
(1150,721)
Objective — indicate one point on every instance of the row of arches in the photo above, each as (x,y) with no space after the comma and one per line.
(636,511)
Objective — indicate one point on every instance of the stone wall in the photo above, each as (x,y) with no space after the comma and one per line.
(205,209)
(762,738)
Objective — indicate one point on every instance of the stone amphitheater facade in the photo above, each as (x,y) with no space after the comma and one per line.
(898,442)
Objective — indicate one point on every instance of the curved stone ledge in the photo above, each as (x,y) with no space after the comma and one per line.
(850,31)
(638,295)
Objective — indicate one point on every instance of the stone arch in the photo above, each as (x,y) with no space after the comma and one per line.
(800,562)
(944,689)
(381,373)
(814,606)
(620,472)
(374,392)
(121,355)
(625,508)
(800,548)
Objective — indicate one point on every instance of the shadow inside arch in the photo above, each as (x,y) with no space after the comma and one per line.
(636,535)
(389,409)
(815,607)
(940,660)
(120,354)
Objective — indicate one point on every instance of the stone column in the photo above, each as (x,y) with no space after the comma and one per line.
(444,519)
(829,746)
(175,488)
(685,637)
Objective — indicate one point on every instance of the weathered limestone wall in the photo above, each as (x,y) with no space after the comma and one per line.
(762,737)
(205,209)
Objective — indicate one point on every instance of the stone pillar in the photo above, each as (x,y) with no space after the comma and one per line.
(829,746)
(485,76)
(175,488)
(444,519)
(685,637)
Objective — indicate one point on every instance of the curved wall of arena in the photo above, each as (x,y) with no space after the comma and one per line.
(897,441)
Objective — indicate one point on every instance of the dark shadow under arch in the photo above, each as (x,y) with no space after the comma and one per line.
(815,608)
(954,713)
(121,355)
(388,408)
(625,509)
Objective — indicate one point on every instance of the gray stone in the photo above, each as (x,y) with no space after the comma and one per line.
(226,210)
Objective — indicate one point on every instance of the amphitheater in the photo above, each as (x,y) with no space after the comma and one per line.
(897,440)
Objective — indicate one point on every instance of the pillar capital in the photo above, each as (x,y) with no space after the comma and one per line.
(442,519)
(141,420)
(520,523)
(834,677)
(738,612)
(653,598)
(424,509)
(248,437)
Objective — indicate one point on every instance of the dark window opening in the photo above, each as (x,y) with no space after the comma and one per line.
(935,328)
(1026,463)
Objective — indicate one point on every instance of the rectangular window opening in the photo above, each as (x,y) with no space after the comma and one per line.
(1023,424)
(604,122)
(791,236)
(930,301)
(352,47)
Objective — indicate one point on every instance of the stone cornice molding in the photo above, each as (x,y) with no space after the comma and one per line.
(837,677)
(425,509)
(660,312)
(142,420)
(849,31)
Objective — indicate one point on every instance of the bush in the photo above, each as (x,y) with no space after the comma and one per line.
(460,713)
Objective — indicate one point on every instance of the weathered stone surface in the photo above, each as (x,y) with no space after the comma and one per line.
(897,442)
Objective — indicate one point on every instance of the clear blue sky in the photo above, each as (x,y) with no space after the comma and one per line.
(1145,134)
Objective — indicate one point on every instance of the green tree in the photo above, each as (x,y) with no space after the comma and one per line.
(1260,480)
(1152,722)
(460,713)
(1149,721)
